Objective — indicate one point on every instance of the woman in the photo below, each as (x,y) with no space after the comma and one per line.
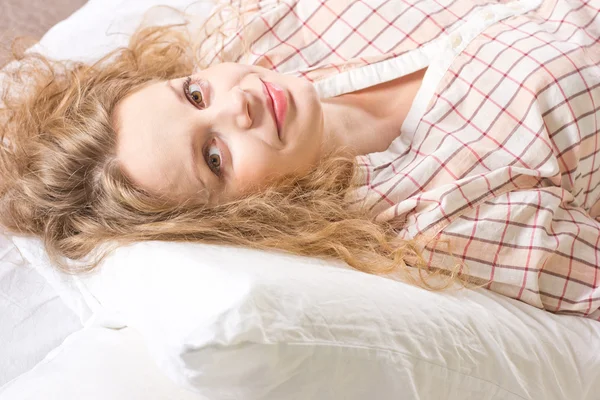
(277,139)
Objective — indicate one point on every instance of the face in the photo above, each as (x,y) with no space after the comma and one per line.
(221,133)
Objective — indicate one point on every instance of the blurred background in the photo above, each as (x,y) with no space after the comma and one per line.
(31,18)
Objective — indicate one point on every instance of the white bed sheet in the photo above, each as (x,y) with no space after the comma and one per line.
(96,363)
(33,317)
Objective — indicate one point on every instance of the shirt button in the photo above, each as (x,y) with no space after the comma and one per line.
(488,15)
(455,40)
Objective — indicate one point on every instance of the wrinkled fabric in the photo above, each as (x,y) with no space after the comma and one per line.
(503,165)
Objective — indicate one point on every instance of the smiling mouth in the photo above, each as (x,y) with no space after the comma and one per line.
(271,107)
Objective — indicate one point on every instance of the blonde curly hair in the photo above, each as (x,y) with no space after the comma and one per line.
(61,180)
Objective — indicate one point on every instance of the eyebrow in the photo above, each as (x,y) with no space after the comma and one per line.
(193,152)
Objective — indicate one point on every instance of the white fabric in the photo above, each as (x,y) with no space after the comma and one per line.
(96,364)
(286,327)
(33,318)
(103,25)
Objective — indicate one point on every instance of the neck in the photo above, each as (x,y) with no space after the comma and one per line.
(352,127)
(368,120)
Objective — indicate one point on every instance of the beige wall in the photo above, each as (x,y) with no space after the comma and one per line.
(31,18)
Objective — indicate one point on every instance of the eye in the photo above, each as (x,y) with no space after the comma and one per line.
(213,158)
(193,92)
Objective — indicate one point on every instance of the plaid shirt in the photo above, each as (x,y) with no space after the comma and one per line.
(498,154)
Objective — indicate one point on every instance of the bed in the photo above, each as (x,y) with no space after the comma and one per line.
(168,320)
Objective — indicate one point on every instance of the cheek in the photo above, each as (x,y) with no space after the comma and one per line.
(253,168)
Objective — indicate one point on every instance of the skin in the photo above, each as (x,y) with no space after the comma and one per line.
(163,134)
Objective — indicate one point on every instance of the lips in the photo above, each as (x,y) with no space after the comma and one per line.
(277,104)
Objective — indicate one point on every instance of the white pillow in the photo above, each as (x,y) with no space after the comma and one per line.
(103,25)
(234,323)
(96,364)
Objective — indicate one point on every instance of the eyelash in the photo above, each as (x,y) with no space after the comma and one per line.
(205,152)
(186,90)
(206,155)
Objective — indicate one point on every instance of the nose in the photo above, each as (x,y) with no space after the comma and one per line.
(240,108)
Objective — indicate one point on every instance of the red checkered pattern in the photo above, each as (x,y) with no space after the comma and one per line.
(502,170)
(317,38)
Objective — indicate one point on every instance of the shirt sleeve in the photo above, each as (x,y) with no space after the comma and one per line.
(533,245)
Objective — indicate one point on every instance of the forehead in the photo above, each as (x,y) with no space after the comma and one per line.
(152,139)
